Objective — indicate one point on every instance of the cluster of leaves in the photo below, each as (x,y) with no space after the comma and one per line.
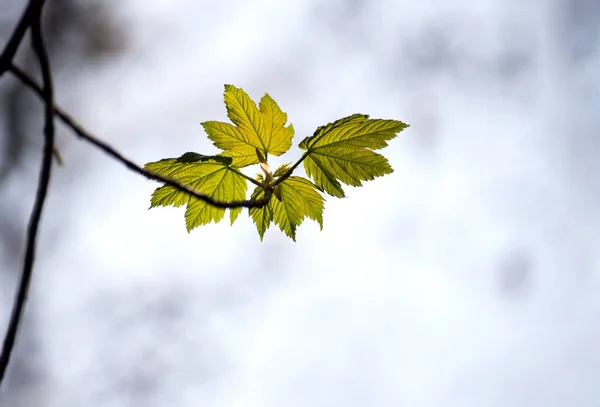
(339,152)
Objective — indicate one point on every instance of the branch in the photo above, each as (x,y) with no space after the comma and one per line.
(85,135)
(291,170)
(252,180)
(16,38)
(32,18)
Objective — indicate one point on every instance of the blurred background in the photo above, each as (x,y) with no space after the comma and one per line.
(468,277)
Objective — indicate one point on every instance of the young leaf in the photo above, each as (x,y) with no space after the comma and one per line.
(282,170)
(210,175)
(262,217)
(255,131)
(339,152)
(277,137)
(261,158)
(342,151)
(299,199)
(277,193)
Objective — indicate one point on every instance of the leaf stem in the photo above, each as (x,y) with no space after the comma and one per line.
(290,171)
(252,180)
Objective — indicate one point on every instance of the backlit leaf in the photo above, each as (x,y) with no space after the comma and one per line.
(210,175)
(342,152)
(262,217)
(299,200)
(282,170)
(255,130)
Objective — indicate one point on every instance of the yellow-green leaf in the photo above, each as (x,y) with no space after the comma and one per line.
(255,132)
(299,199)
(210,175)
(342,152)
(262,217)
(277,137)
(282,170)
(277,193)
(236,145)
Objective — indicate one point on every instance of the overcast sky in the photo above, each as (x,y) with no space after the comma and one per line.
(468,277)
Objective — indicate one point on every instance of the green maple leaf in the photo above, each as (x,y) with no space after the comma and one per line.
(299,200)
(211,175)
(254,128)
(342,152)
(339,152)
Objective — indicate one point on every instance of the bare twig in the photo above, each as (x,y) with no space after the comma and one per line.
(28,81)
(32,18)
(17,36)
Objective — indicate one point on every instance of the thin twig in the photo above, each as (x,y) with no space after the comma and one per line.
(289,172)
(33,19)
(17,36)
(28,81)
(252,180)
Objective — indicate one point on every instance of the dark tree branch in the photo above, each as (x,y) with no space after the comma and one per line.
(33,19)
(28,81)
(16,38)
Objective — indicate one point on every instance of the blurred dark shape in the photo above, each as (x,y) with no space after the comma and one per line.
(515,274)
(80,30)
(347,19)
(579,28)
(432,49)
(513,62)
(448,44)
(447,47)
(578,36)
(78,34)
(341,11)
